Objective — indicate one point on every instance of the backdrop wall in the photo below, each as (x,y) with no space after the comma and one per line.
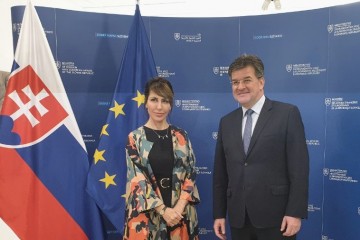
(311,60)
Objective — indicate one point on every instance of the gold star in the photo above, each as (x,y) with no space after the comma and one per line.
(98,155)
(140,99)
(104,130)
(108,180)
(117,109)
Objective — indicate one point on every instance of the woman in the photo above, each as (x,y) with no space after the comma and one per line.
(161,191)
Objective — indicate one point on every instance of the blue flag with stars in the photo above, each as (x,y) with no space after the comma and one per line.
(107,176)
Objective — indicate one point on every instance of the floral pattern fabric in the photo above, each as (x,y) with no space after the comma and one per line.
(143,194)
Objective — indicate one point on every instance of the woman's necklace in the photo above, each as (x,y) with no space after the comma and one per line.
(162,136)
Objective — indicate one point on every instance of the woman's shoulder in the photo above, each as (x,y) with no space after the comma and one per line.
(139,131)
(177,128)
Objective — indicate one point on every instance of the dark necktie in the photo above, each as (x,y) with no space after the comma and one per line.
(247,130)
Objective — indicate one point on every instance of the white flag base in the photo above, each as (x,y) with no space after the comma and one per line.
(6,232)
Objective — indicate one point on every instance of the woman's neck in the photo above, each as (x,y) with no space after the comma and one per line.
(157,125)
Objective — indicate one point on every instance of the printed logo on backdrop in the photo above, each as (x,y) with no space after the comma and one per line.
(205,231)
(339,175)
(324,237)
(177,103)
(191,105)
(164,72)
(288,67)
(72,69)
(313,142)
(214,135)
(342,29)
(58,64)
(220,70)
(88,138)
(16,27)
(330,28)
(111,35)
(216,70)
(313,208)
(189,38)
(340,103)
(202,170)
(267,37)
(359,210)
(327,101)
(177,36)
(304,69)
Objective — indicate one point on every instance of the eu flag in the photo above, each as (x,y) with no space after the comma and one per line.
(43,160)
(107,175)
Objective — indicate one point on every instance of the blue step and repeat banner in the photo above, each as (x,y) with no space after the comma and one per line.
(312,59)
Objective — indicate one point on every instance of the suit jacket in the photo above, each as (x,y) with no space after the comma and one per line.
(272,180)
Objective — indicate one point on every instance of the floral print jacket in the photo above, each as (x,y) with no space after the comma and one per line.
(143,194)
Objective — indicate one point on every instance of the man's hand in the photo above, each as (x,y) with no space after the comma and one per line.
(219,228)
(290,226)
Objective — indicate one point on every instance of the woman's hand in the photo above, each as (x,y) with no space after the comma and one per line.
(172,217)
(180,205)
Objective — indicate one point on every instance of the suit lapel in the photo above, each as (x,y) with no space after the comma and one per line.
(261,122)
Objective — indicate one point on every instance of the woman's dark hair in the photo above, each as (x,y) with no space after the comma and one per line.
(161,87)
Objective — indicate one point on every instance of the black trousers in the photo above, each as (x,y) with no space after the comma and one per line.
(249,232)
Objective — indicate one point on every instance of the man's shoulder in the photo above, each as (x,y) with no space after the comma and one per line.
(232,114)
(279,105)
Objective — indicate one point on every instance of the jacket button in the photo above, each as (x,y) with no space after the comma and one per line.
(245,164)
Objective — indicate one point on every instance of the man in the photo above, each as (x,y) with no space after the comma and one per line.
(264,189)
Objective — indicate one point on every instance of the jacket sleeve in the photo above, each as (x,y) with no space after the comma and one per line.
(298,166)
(189,190)
(220,178)
(140,193)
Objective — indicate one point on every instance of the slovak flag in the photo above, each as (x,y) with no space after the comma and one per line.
(43,160)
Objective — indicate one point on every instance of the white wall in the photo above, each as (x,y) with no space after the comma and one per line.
(166,8)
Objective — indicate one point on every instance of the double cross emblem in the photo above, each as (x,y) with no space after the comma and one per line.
(24,108)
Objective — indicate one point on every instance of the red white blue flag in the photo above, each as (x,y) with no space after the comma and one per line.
(43,160)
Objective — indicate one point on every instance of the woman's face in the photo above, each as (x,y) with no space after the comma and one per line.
(157,107)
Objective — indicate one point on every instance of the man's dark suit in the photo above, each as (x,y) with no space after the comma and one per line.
(272,180)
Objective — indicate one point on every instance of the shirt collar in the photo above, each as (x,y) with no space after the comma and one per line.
(257,106)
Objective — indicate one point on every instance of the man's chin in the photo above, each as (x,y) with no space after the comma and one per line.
(243,100)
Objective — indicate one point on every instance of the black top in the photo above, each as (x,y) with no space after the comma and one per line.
(161,158)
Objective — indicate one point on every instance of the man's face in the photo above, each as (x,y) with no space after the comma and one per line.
(246,87)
